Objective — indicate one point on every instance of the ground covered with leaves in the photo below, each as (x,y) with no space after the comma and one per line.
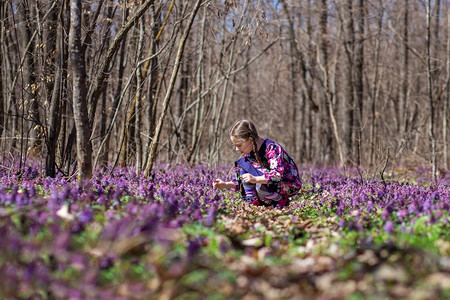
(172,236)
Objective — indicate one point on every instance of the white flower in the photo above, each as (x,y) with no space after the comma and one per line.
(273,163)
(63,213)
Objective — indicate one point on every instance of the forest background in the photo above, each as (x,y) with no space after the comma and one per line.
(353,83)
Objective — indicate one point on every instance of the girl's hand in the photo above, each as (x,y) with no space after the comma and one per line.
(219,184)
(248,178)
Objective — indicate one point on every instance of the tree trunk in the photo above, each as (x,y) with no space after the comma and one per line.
(446,103)
(327,101)
(54,87)
(103,122)
(326,140)
(198,116)
(180,130)
(138,108)
(430,94)
(310,108)
(154,82)
(67,140)
(127,147)
(402,112)
(104,151)
(29,84)
(375,88)
(12,107)
(2,37)
(359,76)
(349,94)
(50,50)
(79,92)
(293,78)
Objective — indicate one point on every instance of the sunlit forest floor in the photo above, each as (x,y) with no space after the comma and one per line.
(172,236)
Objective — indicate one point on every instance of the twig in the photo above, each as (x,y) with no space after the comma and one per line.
(384,168)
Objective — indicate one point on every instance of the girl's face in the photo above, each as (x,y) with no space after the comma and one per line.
(243,146)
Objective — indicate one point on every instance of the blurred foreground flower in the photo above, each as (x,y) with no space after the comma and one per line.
(63,213)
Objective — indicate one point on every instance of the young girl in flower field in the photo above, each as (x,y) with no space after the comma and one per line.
(265,173)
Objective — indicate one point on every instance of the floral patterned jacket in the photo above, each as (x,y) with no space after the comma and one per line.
(279,168)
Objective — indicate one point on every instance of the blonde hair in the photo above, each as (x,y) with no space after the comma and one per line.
(244,129)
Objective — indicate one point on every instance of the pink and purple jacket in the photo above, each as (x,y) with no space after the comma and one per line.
(279,168)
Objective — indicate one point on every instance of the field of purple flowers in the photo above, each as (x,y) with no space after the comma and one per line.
(172,236)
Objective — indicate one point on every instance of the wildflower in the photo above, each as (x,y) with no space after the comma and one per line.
(86,215)
(389,227)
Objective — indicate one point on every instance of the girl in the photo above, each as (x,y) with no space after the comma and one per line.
(265,173)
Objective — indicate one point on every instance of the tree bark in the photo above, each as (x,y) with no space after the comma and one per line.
(127,147)
(350,108)
(375,88)
(2,37)
(327,102)
(431,132)
(322,56)
(29,84)
(446,102)
(104,114)
(402,112)
(199,111)
(79,92)
(293,77)
(55,87)
(140,80)
(359,76)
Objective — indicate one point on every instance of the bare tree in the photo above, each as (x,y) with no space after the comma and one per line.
(153,70)
(104,114)
(56,87)
(138,105)
(446,103)
(199,116)
(329,125)
(359,75)
(376,85)
(430,94)
(29,99)
(79,92)
(404,99)
(346,18)
(2,37)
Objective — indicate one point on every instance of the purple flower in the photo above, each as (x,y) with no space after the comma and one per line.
(389,227)
(402,214)
(412,209)
(86,215)
(211,216)
(107,261)
(193,247)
